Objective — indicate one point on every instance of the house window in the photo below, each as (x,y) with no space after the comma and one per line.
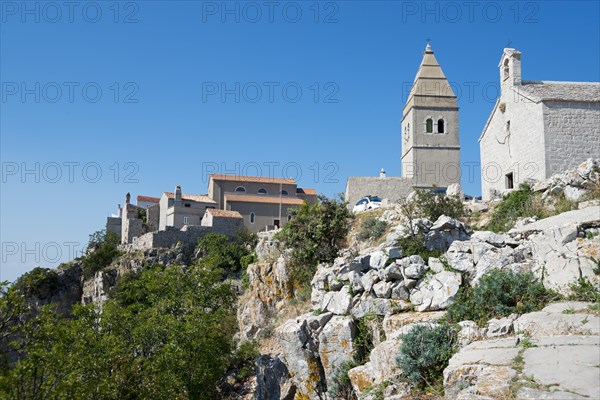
(240,189)
(440,126)
(262,191)
(510,182)
(429,125)
(284,192)
(186,220)
(505,69)
(252,218)
(188,205)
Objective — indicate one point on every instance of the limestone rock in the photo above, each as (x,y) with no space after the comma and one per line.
(455,190)
(435,292)
(400,324)
(382,289)
(380,367)
(336,344)
(273,379)
(378,259)
(338,302)
(500,327)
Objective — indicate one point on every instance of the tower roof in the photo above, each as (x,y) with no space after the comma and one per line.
(430,88)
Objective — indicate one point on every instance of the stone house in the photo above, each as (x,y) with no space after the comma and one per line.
(263,202)
(177,209)
(536,129)
(147,201)
(430,149)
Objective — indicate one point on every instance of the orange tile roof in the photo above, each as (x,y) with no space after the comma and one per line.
(306,191)
(262,199)
(257,179)
(148,199)
(202,198)
(224,213)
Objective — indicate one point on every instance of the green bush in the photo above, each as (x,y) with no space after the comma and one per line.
(315,234)
(415,245)
(433,205)
(372,228)
(516,204)
(425,352)
(584,290)
(341,387)
(497,294)
(223,253)
(364,340)
(243,359)
(37,282)
(106,251)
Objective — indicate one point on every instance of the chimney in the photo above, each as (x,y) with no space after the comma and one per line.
(120,210)
(382,173)
(178,193)
(127,198)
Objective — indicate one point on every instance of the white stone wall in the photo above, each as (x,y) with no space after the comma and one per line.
(572,134)
(520,152)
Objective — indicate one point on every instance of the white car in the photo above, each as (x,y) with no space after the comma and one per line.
(367,203)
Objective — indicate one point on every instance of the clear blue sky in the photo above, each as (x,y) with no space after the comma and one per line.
(159,121)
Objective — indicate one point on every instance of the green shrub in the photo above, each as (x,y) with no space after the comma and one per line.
(372,228)
(433,205)
(425,352)
(37,282)
(513,206)
(223,253)
(243,359)
(584,290)
(106,251)
(341,387)
(497,294)
(315,234)
(364,340)
(415,245)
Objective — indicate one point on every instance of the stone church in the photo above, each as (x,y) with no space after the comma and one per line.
(536,128)
(430,154)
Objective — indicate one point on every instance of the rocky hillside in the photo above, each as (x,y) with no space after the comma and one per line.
(377,291)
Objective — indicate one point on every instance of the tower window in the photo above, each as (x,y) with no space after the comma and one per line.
(186,220)
(505,69)
(440,125)
(429,125)
(510,182)
(240,189)
(252,218)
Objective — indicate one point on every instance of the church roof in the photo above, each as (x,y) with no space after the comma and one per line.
(560,91)
(430,87)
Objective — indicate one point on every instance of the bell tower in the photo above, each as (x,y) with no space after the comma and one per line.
(429,128)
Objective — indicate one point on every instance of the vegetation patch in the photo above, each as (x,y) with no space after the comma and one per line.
(584,290)
(102,251)
(425,352)
(368,332)
(372,228)
(38,282)
(315,234)
(499,293)
(341,387)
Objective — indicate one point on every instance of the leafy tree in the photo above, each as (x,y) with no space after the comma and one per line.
(221,252)
(315,234)
(105,252)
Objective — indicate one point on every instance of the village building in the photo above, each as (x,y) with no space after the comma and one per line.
(177,209)
(263,202)
(536,129)
(146,201)
(430,149)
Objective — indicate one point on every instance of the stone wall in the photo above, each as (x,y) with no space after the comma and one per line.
(572,134)
(517,149)
(391,188)
(113,224)
(153,217)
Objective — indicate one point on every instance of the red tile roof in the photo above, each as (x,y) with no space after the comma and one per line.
(201,198)
(268,200)
(224,213)
(256,179)
(306,191)
(148,199)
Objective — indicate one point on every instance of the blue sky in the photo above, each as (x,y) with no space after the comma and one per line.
(152,93)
